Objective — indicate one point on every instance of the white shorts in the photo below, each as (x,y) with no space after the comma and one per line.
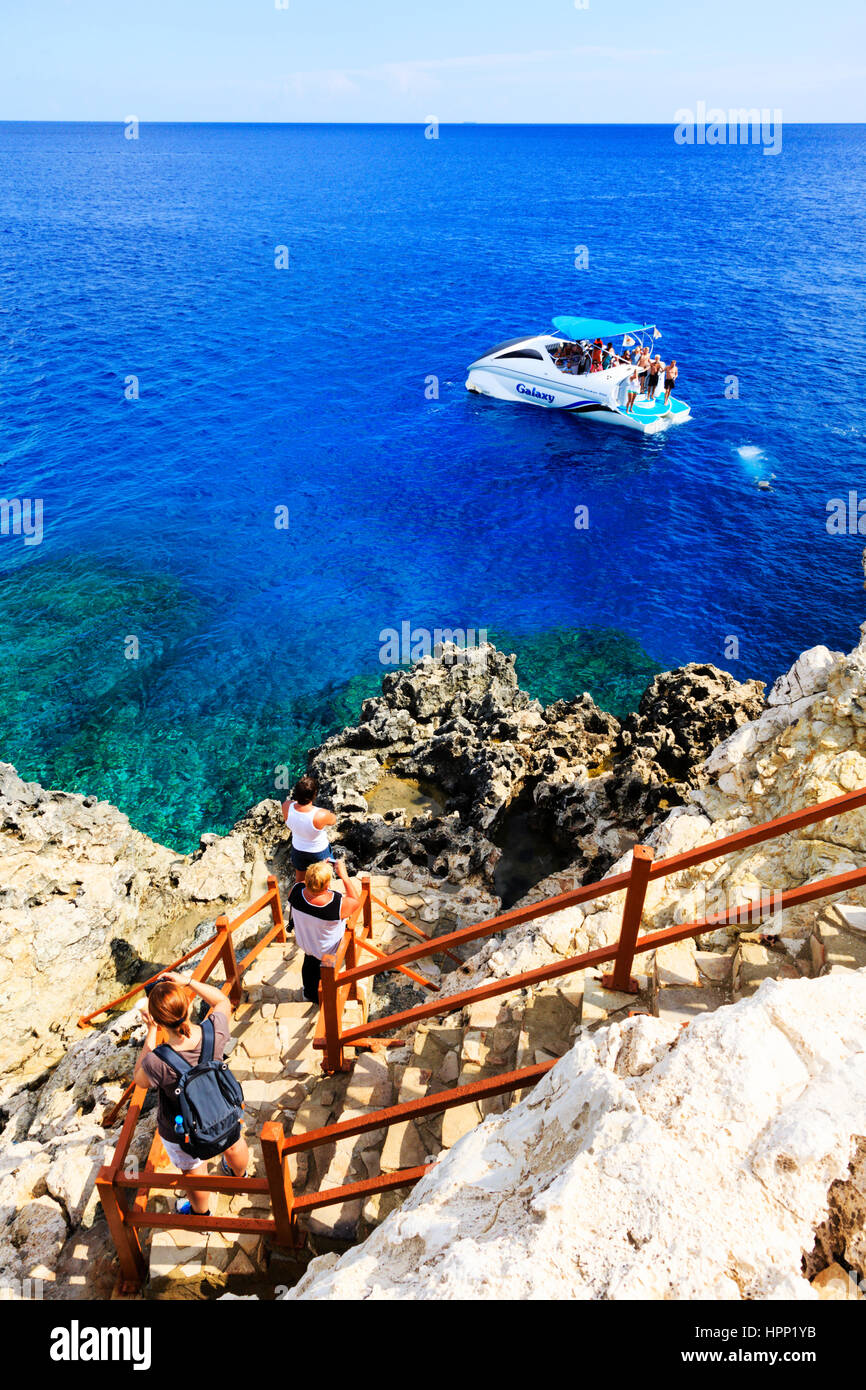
(180,1157)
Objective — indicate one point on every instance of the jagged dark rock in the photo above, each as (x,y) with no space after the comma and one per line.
(461,724)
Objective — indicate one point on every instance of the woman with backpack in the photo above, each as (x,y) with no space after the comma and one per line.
(190,1085)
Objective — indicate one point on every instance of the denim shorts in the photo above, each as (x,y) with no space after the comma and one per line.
(302,859)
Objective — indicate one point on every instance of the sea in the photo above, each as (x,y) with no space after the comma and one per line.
(237,450)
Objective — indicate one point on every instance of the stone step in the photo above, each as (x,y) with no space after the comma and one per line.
(689,978)
(755,962)
(272,1055)
(841,938)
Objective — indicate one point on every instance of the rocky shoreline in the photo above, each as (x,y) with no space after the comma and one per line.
(89,903)
(587,783)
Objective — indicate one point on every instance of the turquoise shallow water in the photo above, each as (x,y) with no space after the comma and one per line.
(305,388)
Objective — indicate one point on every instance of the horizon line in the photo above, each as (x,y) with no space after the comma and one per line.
(114,120)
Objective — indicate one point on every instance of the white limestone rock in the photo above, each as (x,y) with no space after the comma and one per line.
(76,878)
(790,699)
(651,1162)
(808,676)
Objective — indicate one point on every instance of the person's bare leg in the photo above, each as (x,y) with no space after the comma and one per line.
(199,1201)
(238,1157)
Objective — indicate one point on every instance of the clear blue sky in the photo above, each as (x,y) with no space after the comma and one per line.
(406,60)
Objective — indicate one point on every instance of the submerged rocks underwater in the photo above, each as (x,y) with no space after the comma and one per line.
(139,712)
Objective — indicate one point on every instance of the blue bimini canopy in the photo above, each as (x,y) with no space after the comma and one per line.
(596,328)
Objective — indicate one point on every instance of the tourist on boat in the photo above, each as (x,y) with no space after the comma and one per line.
(318,914)
(597,355)
(652,381)
(671,375)
(168,1007)
(633,391)
(308,824)
(607,358)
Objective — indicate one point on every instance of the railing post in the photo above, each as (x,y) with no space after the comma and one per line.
(276,908)
(279,1184)
(230,964)
(351,962)
(133,1266)
(366,935)
(367,890)
(334,1059)
(621,979)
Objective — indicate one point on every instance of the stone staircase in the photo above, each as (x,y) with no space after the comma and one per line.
(272,1055)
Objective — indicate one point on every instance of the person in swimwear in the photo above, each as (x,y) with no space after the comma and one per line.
(671,375)
(633,390)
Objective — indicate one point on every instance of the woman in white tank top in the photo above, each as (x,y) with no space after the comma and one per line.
(308,824)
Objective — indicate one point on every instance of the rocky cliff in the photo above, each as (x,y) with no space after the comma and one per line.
(84,897)
(460,726)
(87,896)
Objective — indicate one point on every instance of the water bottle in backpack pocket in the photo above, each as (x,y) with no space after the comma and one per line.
(208,1099)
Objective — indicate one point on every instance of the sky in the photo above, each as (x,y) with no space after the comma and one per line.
(415,60)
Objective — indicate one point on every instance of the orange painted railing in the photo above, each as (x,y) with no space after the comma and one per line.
(341,977)
(337,982)
(645,869)
(116,1186)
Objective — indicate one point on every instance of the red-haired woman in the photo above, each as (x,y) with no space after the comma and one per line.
(168,1007)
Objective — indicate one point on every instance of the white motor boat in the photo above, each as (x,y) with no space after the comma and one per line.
(553,370)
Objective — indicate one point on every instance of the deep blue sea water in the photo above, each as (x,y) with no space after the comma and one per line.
(305,387)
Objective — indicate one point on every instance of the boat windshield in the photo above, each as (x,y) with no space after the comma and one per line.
(510,343)
(578,358)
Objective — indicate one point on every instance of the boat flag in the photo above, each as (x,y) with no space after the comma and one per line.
(656,333)
(627,341)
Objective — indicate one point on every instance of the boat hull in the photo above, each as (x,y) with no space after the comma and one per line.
(648,417)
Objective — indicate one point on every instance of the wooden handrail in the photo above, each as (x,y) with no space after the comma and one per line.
(417,1109)
(115,1186)
(661,868)
(169,1220)
(254,908)
(756,834)
(452,1003)
(404,969)
(124,1223)
(515,917)
(258,906)
(425,936)
(136,989)
(366,1187)
(188,1181)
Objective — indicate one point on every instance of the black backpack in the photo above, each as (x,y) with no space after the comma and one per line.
(209,1099)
